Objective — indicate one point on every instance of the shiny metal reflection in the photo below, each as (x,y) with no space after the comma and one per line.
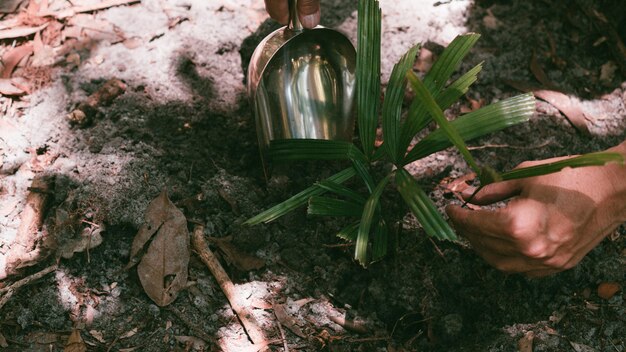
(302,83)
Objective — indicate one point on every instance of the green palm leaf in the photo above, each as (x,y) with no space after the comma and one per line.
(380,241)
(321,149)
(422,207)
(418,117)
(392,105)
(342,190)
(436,113)
(349,232)
(326,206)
(368,72)
(298,200)
(478,123)
(449,61)
(591,159)
(367,218)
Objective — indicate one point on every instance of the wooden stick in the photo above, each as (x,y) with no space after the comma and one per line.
(11,289)
(244,313)
(26,249)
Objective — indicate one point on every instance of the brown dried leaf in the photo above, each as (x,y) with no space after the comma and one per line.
(572,109)
(7,88)
(192,342)
(100,5)
(240,259)
(457,185)
(525,344)
(129,333)
(20,31)
(75,343)
(97,335)
(539,73)
(287,320)
(164,238)
(13,57)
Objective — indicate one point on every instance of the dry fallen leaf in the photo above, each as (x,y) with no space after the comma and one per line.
(97,335)
(572,109)
(165,241)
(579,347)
(607,72)
(240,259)
(88,238)
(607,290)
(8,88)
(539,73)
(287,320)
(75,343)
(192,342)
(13,57)
(490,21)
(525,344)
(22,31)
(129,333)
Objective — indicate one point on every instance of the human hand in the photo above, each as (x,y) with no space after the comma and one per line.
(308,11)
(553,221)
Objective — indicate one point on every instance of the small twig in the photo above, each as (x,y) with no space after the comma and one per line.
(486,146)
(11,289)
(437,249)
(369,339)
(282,333)
(193,327)
(349,325)
(244,313)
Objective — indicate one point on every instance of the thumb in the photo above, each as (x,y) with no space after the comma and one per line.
(493,192)
(309,13)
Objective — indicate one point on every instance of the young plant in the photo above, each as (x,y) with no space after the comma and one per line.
(432,96)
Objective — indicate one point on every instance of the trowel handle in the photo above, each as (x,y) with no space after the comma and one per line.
(294,20)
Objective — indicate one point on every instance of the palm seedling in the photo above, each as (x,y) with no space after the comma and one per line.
(433,95)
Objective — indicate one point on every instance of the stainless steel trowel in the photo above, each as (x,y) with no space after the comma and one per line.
(301,83)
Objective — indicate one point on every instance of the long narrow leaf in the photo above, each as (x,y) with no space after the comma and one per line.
(380,241)
(436,113)
(488,119)
(392,105)
(591,159)
(321,149)
(349,232)
(343,191)
(298,200)
(368,72)
(310,149)
(326,206)
(360,253)
(422,207)
(449,61)
(435,80)
(418,117)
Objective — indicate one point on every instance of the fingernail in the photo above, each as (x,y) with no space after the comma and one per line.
(310,21)
(468,192)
